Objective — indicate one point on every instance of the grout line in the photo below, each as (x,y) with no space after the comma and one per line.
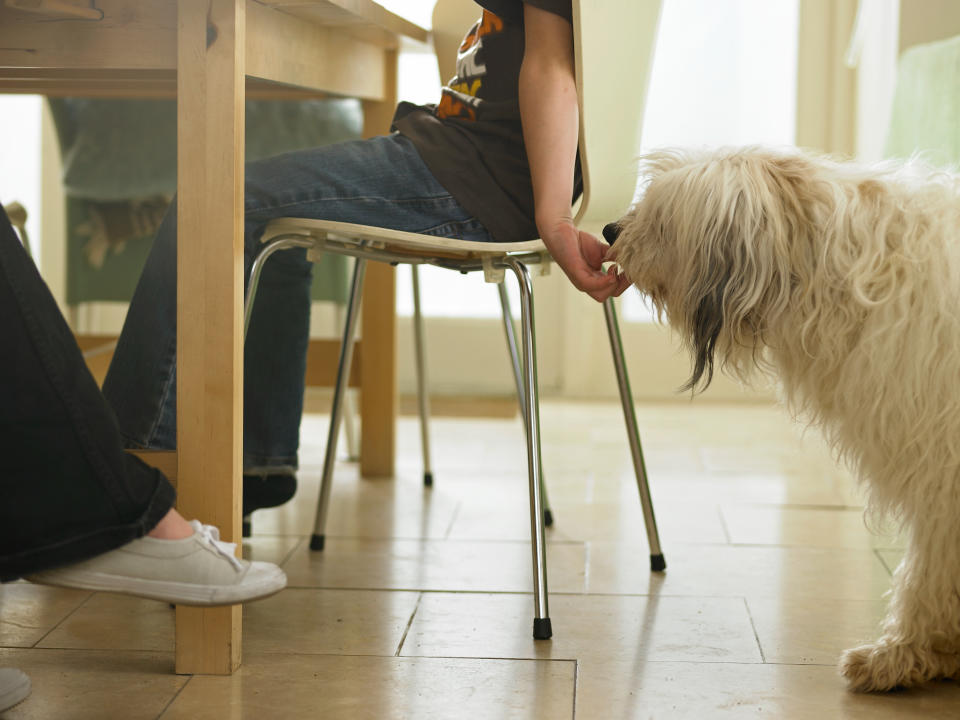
(453,520)
(406,630)
(587,557)
(723,524)
(420,539)
(576,682)
(174,698)
(296,546)
(495,658)
(506,658)
(802,506)
(756,635)
(64,619)
(499,658)
(883,561)
(526,593)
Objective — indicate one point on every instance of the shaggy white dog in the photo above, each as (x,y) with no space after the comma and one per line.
(844,281)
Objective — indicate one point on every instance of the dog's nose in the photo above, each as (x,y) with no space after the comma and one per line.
(610,232)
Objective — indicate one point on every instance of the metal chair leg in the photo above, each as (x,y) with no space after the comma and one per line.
(422,397)
(336,412)
(510,333)
(350,433)
(657,562)
(256,269)
(541,620)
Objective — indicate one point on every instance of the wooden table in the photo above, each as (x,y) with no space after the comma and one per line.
(210,54)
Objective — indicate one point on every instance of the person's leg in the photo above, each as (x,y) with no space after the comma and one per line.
(69,491)
(75,507)
(380,182)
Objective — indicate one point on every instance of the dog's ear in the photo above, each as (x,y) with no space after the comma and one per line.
(736,277)
(705,331)
(712,242)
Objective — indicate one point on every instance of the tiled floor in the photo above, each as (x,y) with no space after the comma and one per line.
(420,606)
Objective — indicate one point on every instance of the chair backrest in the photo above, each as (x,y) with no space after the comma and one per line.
(613,44)
(450,22)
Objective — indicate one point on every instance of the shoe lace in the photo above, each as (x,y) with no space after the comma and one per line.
(211,534)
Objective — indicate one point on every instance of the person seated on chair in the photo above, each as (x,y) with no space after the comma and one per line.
(494,160)
(76,510)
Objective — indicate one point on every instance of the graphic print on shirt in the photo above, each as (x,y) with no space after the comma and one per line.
(460,99)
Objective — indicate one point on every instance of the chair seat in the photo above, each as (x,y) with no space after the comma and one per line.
(399,241)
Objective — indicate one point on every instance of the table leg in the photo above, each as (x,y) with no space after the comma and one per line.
(378,369)
(378,372)
(210,149)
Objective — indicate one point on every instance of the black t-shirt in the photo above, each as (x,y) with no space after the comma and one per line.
(472,140)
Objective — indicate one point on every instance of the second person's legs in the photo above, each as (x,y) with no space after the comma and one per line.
(380,182)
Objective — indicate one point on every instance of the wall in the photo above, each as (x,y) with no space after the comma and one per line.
(923,21)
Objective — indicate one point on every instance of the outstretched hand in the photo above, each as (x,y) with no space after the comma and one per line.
(581,256)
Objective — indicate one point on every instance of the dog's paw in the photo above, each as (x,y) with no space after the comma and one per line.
(870,668)
(882,666)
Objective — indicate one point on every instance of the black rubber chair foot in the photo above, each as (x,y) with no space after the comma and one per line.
(428,479)
(542,630)
(657,563)
(316,542)
(547,518)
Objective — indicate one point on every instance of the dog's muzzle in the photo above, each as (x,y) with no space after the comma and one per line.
(610,232)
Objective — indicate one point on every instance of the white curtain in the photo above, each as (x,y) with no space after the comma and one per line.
(20,117)
(873,51)
(724,73)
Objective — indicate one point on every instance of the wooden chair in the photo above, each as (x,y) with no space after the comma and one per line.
(614,42)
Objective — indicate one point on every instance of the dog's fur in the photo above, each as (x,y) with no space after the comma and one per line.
(844,281)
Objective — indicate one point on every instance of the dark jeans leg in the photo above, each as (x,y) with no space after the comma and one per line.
(68,491)
(381,181)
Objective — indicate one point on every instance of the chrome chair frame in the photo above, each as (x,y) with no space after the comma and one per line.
(423,398)
(317,240)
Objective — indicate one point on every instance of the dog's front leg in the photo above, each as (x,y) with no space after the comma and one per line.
(921,633)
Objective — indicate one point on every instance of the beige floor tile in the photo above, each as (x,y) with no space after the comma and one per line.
(728,570)
(28,612)
(94,685)
(652,628)
(433,565)
(355,622)
(804,526)
(780,449)
(116,622)
(494,445)
(570,485)
(721,691)
(757,602)
(380,688)
(581,522)
(295,621)
(373,508)
(781,488)
(803,631)
(269,548)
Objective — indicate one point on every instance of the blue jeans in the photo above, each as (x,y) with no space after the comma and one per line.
(381,181)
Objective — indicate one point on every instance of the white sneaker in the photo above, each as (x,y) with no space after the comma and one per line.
(198,570)
(14,688)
